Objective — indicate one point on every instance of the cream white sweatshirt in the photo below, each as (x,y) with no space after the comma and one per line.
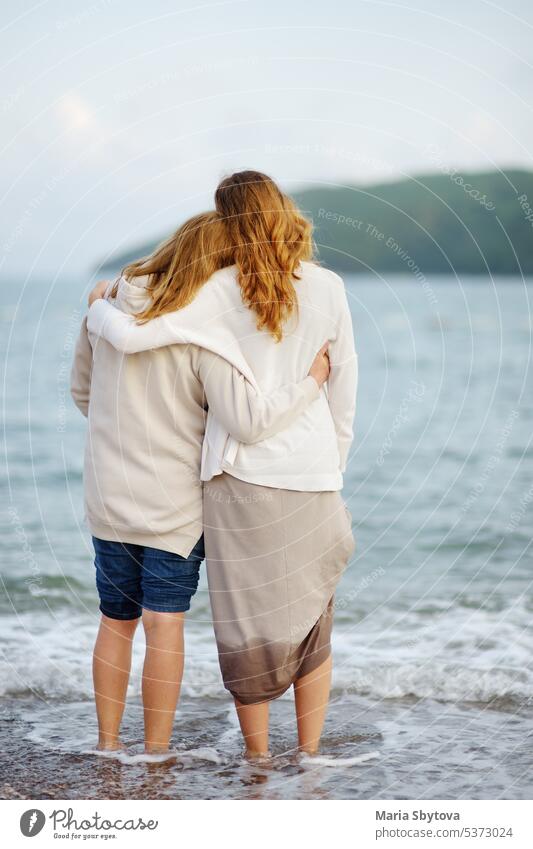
(146,416)
(309,454)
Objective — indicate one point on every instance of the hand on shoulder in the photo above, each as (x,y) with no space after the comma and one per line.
(98,291)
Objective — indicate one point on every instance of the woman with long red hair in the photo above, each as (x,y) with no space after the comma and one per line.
(277,533)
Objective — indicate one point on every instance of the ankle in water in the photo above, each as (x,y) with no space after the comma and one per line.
(110,745)
(157,749)
(252,755)
(308,750)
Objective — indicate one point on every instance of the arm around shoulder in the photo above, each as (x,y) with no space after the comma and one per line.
(113,325)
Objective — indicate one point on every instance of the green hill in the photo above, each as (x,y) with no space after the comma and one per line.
(434,224)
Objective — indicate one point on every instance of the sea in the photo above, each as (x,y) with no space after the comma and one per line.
(433,637)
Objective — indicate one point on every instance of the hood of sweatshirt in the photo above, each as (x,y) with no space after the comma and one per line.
(132,297)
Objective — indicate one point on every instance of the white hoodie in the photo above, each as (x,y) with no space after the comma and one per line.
(311,453)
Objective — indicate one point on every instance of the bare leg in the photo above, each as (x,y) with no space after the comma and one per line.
(162,674)
(311,693)
(111,672)
(253,720)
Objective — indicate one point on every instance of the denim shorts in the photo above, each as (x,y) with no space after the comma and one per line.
(130,577)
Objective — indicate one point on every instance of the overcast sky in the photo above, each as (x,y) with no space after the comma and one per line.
(118,117)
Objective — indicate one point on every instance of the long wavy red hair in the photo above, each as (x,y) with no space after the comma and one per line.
(269,238)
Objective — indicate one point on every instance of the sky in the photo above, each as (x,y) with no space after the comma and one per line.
(119,117)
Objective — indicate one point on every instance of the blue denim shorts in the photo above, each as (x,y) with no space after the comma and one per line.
(130,577)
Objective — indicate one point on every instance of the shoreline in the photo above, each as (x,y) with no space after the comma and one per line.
(389,749)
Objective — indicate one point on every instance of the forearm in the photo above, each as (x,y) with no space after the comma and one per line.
(117,327)
(246,414)
(265,415)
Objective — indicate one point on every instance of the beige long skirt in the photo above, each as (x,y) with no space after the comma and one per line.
(274,558)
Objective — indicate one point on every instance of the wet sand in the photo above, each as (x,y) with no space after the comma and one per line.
(424,750)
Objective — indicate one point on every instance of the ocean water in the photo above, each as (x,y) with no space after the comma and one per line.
(433,637)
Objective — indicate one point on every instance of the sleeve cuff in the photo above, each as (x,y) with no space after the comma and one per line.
(310,388)
(95,316)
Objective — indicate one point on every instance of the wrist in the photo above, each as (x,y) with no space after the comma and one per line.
(312,386)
